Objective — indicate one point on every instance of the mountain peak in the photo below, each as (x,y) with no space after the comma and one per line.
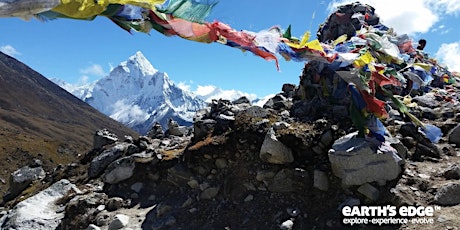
(139,62)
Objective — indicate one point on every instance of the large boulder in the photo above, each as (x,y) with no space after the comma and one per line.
(39,212)
(99,163)
(454,135)
(275,152)
(358,161)
(102,138)
(22,178)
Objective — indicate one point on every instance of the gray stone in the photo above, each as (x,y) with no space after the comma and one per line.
(320,180)
(175,129)
(369,191)
(448,194)
(357,161)
(454,135)
(427,100)
(114,203)
(156,131)
(280,125)
(327,138)
(209,193)
(40,211)
(100,162)
(221,163)
(255,112)
(202,128)
(102,138)
(119,170)
(137,187)
(120,221)
(93,227)
(23,177)
(241,100)
(179,175)
(452,173)
(275,152)
(282,182)
(287,225)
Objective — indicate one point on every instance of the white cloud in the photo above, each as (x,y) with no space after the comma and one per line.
(449,54)
(394,13)
(204,90)
(127,113)
(94,69)
(9,50)
(450,7)
(83,80)
(184,86)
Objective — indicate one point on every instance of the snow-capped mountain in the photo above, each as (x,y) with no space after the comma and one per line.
(138,95)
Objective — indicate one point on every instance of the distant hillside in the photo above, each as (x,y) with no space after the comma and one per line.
(40,120)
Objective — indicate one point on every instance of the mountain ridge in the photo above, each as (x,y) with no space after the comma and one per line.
(138,95)
(37,117)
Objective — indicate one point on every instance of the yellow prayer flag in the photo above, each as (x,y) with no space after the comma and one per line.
(315,45)
(364,59)
(425,66)
(302,43)
(340,39)
(148,4)
(81,9)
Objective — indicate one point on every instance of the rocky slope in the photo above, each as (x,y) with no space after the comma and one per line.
(248,167)
(41,121)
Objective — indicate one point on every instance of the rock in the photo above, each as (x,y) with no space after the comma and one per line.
(202,128)
(136,187)
(102,138)
(221,163)
(427,100)
(39,212)
(120,221)
(85,206)
(452,173)
(320,180)
(350,201)
(119,170)
(454,135)
(357,161)
(288,89)
(280,125)
(22,178)
(399,146)
(448,194)
(248,198)
(327,138)
(275,152)
(278,102)
(282,182)
(156,132)
(426,149)
(114,203)
(209,193)
(255,112)
(179,175)
(93,227)
(369,191)
(176,130)
(287,225)
(100,162)
(241,100)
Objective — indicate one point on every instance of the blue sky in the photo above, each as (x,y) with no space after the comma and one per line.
(84,51)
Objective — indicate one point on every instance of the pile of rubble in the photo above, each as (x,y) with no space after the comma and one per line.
(349,134)
(244,166)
